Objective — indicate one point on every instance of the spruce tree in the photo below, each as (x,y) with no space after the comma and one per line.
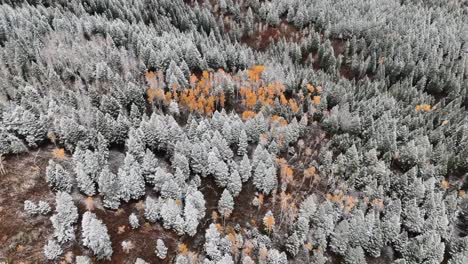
(95,236)
(243,144)
(132,183)
(161,249)
(109,188)
(65,217)
(226,204)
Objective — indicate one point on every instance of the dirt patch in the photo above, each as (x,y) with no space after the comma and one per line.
(22,237)
(260,40)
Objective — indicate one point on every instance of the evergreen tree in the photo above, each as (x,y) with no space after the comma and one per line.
(83,260)
(234,184)
(58,178)
(109,188)
(355,255)
(133,220)
(95,236)
(85,183)
(243,144)
(65,217)
(161,249)
(226,204)
(132,183)
(339,239)
(149,166)
(245,170)
(135,145)
(152,208)
(52,250)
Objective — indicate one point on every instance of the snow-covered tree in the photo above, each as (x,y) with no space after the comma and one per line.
(140,261)
(65,217)
(132,183)
(149,166)
(226,204)
(58,178)
(95,236)
(52,250)
(109,188)
(234,184)
(133,220)
(161,249)
(243,144)
(152,208)
(85,183)
(33,209)
(83,260)
(245,169)
(174,108)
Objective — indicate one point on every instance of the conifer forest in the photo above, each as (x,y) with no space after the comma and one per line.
(234,131)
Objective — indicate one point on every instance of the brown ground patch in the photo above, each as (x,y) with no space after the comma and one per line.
(22,237)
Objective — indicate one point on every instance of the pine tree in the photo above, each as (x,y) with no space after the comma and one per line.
(152,208)
(245,170)
(65,217)
(95,236)
(83,260)
(135,145)
(140,261)
(33,209)
(181,162)
(243,144)
(161,249)
(133,220)
(222,145)
(355,255)
(234,184)
(212,161)
(174,108)
(58,178)
(292,244)
(227,133)
(170,189)
(109,188)
(226,204)
(132,183)
(413,218)
(275,257)
(212,241)
(52,250)
(149,166)
(194,210)
(170,213)
(339,239)
(85,183)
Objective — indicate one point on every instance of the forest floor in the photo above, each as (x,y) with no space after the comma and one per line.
(22,237)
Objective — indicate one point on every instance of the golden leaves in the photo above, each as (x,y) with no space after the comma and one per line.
(311,88)
(255,72)
(316,99)
(445,184)
(58,153)
(309,172)
(269,221)
(89,203)
(423,108)
(248,115)
(183,249)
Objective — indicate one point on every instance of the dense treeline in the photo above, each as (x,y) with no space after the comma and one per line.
(183,89)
